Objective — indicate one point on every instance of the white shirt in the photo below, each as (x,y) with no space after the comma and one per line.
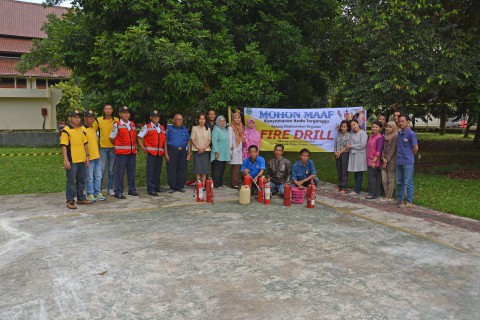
(114,132)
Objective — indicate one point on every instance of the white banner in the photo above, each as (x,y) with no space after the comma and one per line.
(314,129)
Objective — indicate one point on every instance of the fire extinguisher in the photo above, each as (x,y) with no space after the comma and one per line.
(287,195)
(247,181)
(260,184)
(267,193)
(199,190)
(209,190)
(311,195)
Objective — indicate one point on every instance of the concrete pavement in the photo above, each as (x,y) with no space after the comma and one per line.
(169,258)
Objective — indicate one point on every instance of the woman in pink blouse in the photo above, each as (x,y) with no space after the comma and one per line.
(374,154)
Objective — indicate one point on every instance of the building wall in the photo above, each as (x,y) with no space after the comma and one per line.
(21,109)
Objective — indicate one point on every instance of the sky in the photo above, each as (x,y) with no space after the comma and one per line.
(64,4)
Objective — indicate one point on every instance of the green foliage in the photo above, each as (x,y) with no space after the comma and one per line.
(187,56)
(410,52)
(72,98)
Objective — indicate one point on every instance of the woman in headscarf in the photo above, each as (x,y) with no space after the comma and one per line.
(389,158)
(251,137)
(236,135)
(220,154)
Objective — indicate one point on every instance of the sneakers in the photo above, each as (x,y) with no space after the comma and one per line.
(111,192)
(353,193)
(171,190)
(71,204)
(100,197)
(91,198)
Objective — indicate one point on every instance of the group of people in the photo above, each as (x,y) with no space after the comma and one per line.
(388,153)
(106,147)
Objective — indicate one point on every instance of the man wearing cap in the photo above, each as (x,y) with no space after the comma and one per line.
(74,146)
(124,138)
(104,126)
(176,154)
(94,170)
(154,137)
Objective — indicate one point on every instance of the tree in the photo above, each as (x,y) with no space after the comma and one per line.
(410,52)
(72,98)
(190,55)
(149,54)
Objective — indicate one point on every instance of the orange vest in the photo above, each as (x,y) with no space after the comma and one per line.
(125,142)
(154,141)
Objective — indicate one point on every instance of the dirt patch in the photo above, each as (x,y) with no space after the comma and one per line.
(466,174)
(447,145)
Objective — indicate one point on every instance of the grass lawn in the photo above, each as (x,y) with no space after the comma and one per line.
(447,176)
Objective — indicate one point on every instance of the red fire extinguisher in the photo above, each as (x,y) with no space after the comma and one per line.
(311,195)
(209,190)
(247,181)
(267,194)
(287,195)
(260,183)
(199,190)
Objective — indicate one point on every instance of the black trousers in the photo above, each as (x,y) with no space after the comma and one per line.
(154,169)
(374,182)
(342,171)
(177,168)
(218,171)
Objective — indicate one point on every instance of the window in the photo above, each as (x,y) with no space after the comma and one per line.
(52,82)
(7,82)
(41,83)
(21,83)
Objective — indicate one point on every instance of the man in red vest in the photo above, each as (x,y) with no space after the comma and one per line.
(124,137)
(153,145)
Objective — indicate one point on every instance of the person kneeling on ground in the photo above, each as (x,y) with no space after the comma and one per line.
(253,166)
(279,170)
(304,170)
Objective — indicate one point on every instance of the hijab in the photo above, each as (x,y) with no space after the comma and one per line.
(238,129)
(217,123)
(252,136)
(394,133)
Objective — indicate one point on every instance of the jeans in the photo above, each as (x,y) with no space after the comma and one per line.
(125,162)
(94,177)
(358,181)
(107,156)
(76,181)
(274,187)
(405,179)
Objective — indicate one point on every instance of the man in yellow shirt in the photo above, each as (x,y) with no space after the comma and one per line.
(94,170)
(75,160)
(104,126)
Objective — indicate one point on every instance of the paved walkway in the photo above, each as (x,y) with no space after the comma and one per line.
(169,258)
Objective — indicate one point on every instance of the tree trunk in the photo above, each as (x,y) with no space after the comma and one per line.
(443,119)
(476,139)
(466,131)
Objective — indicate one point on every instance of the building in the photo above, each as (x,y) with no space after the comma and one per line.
(26,100)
